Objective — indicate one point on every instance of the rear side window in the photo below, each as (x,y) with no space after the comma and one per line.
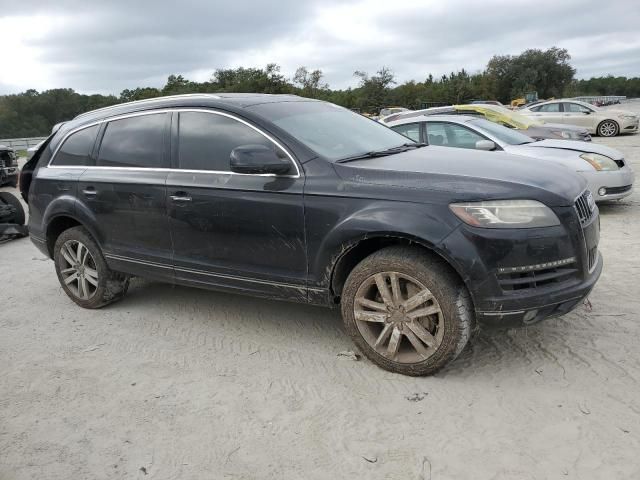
(205,140)
(134,142)
(76,149)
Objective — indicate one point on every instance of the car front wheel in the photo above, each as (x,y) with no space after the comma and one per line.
(83,272)
(407,311)
(608,128)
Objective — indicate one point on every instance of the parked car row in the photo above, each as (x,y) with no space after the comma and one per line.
(608,175)
(290,198)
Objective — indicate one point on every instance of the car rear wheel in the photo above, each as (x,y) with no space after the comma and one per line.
(83,272)
(407,311)
(608,128)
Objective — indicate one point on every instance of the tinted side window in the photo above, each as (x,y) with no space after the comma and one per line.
(134,142)
(411,130)
(77,148)
(205,140)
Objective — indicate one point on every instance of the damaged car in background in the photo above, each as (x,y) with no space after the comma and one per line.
(302,200)
(501,115)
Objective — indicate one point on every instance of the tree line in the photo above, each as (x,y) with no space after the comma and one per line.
(549,72)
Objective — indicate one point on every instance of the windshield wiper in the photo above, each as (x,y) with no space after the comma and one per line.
(382,153)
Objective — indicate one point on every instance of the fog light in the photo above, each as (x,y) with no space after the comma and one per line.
(530,317)
(602,191)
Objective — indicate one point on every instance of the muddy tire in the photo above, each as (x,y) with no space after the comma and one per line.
(407,311)
(9,199)
(83,272)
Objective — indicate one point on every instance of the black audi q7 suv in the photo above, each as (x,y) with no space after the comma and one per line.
(297,199)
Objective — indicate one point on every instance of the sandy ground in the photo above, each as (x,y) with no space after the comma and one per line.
(178,383)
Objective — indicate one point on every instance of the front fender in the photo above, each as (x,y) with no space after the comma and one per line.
(424,224)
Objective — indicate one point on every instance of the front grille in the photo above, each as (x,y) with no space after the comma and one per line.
(620,163)
(536,278)
(592,257)
(585,206)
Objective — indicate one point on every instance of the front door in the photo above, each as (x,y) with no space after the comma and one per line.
(576,114)
(240,232)
(125,193)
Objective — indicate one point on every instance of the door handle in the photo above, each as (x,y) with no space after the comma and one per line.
(180,198)
(90,192)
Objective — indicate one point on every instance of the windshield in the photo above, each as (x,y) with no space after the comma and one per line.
(329,130)
(503,134)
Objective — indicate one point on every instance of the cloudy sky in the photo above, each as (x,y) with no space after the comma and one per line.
(106,46)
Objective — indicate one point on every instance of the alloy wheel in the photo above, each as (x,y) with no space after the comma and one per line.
(608,129)
(78,270)
(399,317)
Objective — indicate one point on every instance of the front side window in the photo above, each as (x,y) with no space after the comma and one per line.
(576,108)
(205,140)
(134,142)
(411,130)
(329,130)
(502,133)
(76,149)
(452,135)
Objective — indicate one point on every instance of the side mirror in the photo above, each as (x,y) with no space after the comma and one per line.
(487,145)
(257,159)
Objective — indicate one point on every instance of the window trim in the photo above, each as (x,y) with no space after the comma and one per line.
(170,169)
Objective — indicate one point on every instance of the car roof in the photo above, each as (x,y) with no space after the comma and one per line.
(432,118)
(233,102)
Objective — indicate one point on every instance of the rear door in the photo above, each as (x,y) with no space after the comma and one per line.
(124,194)
(549,112)
(241,232)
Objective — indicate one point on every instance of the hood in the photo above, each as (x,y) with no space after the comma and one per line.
(616,112)
(455,174)
(581,147)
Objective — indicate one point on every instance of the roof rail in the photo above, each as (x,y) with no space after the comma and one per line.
(148,100)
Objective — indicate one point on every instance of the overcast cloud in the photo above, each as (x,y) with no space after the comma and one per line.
(105,47)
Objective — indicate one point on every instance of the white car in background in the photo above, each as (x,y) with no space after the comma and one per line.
(605,169)
(606,122)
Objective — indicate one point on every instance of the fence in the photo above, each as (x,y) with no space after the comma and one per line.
(21,143)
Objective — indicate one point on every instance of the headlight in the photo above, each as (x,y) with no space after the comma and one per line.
(505,214)
(599,162)
(629,116)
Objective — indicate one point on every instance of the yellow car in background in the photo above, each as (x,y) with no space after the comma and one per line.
(529,126)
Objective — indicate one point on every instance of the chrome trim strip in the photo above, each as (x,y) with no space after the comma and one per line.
(150,100)
(500,314)
(219,275)
(141,262)
(169,110)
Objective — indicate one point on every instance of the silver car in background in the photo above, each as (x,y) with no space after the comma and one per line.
(605,169)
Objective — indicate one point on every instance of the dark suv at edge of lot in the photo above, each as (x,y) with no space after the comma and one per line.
(297,199)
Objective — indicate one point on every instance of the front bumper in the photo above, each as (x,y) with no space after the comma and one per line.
(617,184)
(629,125)
(521,276)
